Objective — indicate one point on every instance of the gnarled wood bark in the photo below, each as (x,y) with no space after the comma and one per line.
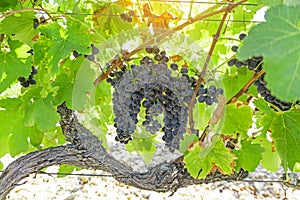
(86,151)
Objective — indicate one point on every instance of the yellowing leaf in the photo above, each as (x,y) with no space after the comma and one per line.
(161,21)
(201,161)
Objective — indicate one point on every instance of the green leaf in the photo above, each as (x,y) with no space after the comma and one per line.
(12,67)
(265,116)
(36,137)
(20,25)
(18,141)
(75,38)
(248,156)
(143,146)
(201,115)
(187,139)
(270,2)
(270,158)
(4,141)
(291,2)
(275,41)
(6,4)
(286,135)
(42,114)
(9,111)
(200,161)
(237,119)
(83,86)
(11,116)
(66,169)
(1,165)
(234,81)
(75,83)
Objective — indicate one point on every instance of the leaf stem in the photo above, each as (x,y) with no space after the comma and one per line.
(245,87)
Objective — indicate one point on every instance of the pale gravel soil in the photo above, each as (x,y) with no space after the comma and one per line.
(44,187)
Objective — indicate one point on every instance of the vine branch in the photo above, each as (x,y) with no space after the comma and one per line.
(86,151)
(118,61)
(207,60)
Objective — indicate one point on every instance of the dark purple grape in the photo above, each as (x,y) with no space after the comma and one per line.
(242,36)
(231,62)
(32,81)
(149,49)
(25,84)
(95,50)
(21,79)
(157,57)
(184,70)
(174,66)
(234,48)
(238,64)
(90,57)
(155,50)
(76,54)
(33,70)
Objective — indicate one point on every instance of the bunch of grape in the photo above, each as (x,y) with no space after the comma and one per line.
(90,57)
(253,63)
(256,64)
(29,81)
(37,22)
(209,95)
(152,86)
(260,83)
(160,56)
(127,17)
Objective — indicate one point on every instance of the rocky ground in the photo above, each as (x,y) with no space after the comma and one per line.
(44,187)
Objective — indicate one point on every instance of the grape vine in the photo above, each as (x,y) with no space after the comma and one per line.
(158,72)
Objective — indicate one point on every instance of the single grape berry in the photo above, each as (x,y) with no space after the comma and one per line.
(165,59)
(35,23)
(129,19)
(123,16)
(30,51)
(25,84)
(32,81)
(157,57)
(184,70)
(76,54)
(238,64)
(33,70)
(90,57)
(234,48)
(242,36)
(21,79)
(42,20)
(155,50)
(35,26)
(163,53)
(252,64)
(174,66)
(231,62)
(131,13)
(95,50)
(149,49)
